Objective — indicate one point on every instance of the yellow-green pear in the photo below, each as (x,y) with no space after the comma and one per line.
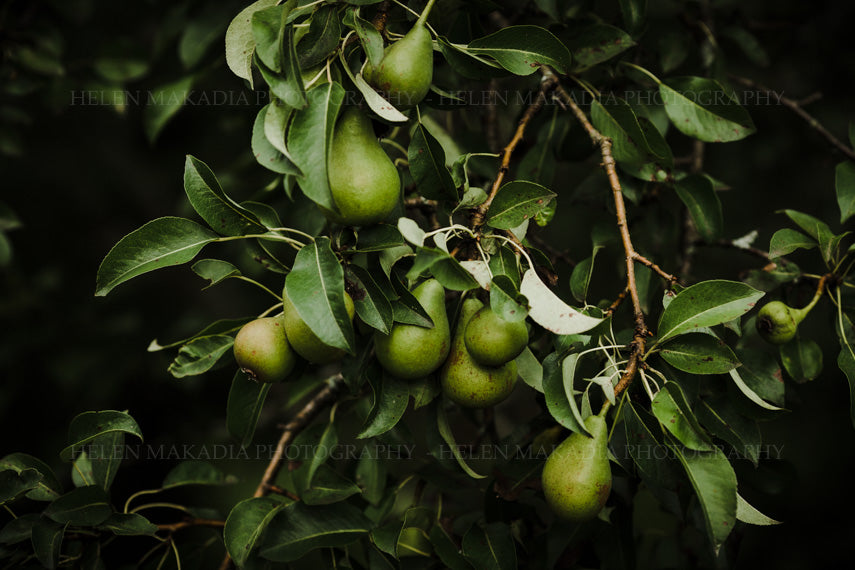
(306,342)
(410,351)
(405,73)
(464,380)
(493,341)
(577,478)
(364,182)
(262,350)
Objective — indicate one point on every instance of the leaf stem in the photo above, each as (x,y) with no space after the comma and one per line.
(642,70)
(254,282)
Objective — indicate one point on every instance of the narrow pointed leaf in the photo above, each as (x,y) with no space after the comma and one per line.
(845,185)
(523,49)
(697,193)
(300,528)
(549,311)
(516,202)
(240,43)
(748,514)
(391,396)
(86,506)
(245,525)
(223,215)
(246,398)
(558,377)
(699,353)
(448,437)
(701,108)
(427,166)
(787,241)
(87,426)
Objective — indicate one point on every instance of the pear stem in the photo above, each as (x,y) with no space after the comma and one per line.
(424,15)
(802,313)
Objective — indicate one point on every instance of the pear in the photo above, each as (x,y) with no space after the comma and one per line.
(405,73)
(262,350)
(306,342)
(493,341)
(410,351)
(577,478)
(364,182)
(464,380)
(777,322)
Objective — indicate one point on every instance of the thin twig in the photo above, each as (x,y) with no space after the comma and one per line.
(671,279)
(617,302)
(172,527)
(605,144)
(797,109)
(545,87)
(290,430)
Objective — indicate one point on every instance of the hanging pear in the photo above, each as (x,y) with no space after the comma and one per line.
(467,382)
(405,73)
(262,350)
(493,341)
(306,342)
(577,478)
(364,182)
(410,351)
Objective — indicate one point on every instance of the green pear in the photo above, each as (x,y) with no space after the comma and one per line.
(577,478)
(262,350)
(464,380)
(306,342)
(410,351)
(493,341)
(364,182)
(777,322)
(405,73)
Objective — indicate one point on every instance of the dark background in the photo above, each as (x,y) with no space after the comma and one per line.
(84,176)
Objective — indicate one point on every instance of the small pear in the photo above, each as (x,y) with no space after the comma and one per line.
(464,380)
(262,350)
(577,478)
(364,182)
(306,342)
(777,322)
(493,341)
(410,351)
(405,73)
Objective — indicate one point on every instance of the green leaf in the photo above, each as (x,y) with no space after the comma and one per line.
(245,525)
(391,396)
(195,472)
(720,416)
(598,43)
(371,477)
(276,120)
(86,506)
(291,90)
(13,484)
(240,43)
(748,514)
(87,426)
(105,454)
(802,359)
(467,63)
(706,304)
(47,542)
(407,309)
(427,166)
(309,140)
(714,482)
(267,32)
(786,241)
(634,13)
(701,108)
(581,276)
(200,355)
(699,353)
(378,237)
(750,393)
(617,120)
(376,102)
(672,410)
(697,193)
(845,185)
(446,550)
(81,471)
(504,262)
(264,151)
(371,304)
(19,529)
(424,391)
(223,215)
(47,488)
(490,547)
(369,37)
(300,528)
(246,398)
(214,270)
(815,228)
(315,286)
(506,301)
(530,369)
(558,379)
(549,311)
(222,326)
(748,42)
(516,202)
(523,49)
(445,268)
(448,436)
(645,450)
(317,443)
(160,243)
(165,102)
(328,487)
(129,524)
(846,363)
(322,38)
(761,372)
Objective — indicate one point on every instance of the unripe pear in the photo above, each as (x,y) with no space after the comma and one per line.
(577,478)
(262,350)
(493,341)
(405,73)
(777,322)
(464,380)
(410,351)
(306,342)
(364,182)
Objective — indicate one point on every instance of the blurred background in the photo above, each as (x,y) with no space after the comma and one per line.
(85,159)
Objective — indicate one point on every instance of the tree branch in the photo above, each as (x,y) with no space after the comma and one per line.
(172,527)
(797,109)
